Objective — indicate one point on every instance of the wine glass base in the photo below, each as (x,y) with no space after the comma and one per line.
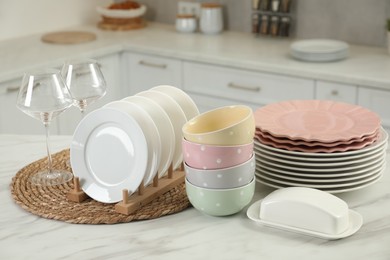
(55,177)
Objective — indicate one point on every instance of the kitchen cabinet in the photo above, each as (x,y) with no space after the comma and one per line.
(336,91)
(111,69)
(13,120)
(241,86)
(146,71)
(378,101)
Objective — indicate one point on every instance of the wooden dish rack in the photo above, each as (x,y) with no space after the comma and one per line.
(143,196)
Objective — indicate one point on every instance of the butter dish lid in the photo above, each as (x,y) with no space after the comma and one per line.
(307,211)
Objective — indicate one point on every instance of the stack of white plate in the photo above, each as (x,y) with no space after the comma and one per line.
(319,144)
(319,50)
(128,142)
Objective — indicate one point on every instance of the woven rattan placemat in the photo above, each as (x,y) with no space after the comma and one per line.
(51,202)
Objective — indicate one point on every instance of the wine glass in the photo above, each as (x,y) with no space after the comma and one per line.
(85,81)
(43,95)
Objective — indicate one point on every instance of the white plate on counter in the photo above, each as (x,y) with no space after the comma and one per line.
(319,50)
(108,153)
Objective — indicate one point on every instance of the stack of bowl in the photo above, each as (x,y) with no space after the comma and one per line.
(219,160)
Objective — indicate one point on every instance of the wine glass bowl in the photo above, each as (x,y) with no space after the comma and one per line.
(85,81)
(44,95)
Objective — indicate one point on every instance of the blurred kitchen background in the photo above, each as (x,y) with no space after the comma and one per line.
(355,21)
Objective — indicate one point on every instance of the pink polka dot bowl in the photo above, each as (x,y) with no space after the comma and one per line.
(203,156)
(226,178)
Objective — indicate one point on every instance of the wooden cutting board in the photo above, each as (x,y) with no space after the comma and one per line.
(68,37)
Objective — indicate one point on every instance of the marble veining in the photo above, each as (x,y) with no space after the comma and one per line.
(185,235)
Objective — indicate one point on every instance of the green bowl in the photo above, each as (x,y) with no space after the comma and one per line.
(220,202)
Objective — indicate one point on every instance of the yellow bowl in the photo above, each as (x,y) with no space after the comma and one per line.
(230,125)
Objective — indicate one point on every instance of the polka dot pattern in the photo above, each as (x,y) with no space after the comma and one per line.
(203,156)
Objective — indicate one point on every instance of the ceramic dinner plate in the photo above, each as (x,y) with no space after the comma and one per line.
(151,133)
(177,117)
(329,164)
(318,149)
(316,120)
(164,126)
(381,142)
(183,99)
(287,141)
(319,50)
(259,150)
(108,153)
(319,175)
(327,179)
(330,190)
(320,185)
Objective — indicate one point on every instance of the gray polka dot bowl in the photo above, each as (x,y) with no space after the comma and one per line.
(209,157)
(220,202)
(229,125)
(225,178)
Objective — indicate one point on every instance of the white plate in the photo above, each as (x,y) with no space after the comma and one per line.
(322,185)
(335,174)
(164,126)
(365,174)
(316,165)
(177,117)
(150,131)
(330,190)
(376,145)
(270,163)
(183,99)
(355,222)
(108,153)
(121,13)
(319,46)
(260,150)
(319,50)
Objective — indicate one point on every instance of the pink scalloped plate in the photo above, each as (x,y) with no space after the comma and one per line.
(318,149)
(316,120)
(283,140)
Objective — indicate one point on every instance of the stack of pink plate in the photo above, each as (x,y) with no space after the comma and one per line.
(333,146)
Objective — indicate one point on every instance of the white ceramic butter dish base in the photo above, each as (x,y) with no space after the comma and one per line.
(355,222)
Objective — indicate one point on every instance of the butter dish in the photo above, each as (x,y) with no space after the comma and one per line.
(307,211)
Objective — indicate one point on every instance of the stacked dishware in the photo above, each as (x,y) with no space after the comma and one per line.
(328,145)
(319,50)
(128,142)
(219,160)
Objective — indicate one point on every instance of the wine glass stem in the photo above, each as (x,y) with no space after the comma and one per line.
(49,160)
(82,113)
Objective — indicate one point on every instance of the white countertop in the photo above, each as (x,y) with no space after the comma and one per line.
(366,66)
(185,235)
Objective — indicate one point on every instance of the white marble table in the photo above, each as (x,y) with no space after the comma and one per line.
(185,235)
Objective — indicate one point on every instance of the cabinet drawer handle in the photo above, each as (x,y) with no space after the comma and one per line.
(12,89)
(154,65)
(254,89)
